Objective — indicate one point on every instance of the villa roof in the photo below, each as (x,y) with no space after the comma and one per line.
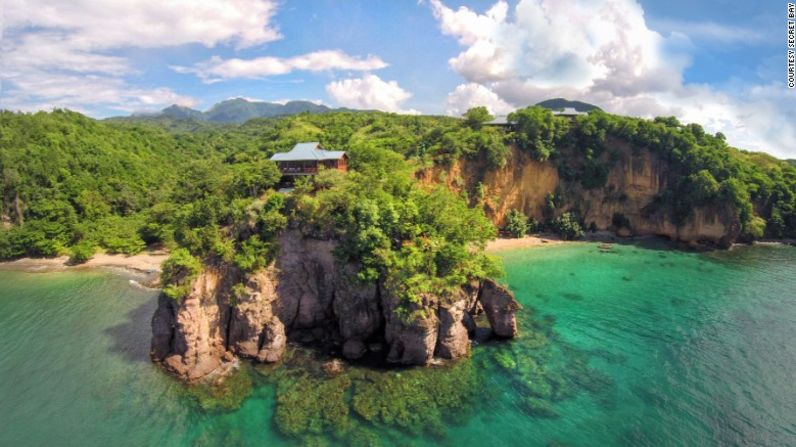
(499,120)
(568,111)
(308,151)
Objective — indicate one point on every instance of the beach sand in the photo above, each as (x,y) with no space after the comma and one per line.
(146,262)
(522,242)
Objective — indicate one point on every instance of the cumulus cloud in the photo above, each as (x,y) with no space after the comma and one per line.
(217,69)
(98,24)
(59,54)
(42,91)
(603,51)
(712,31)
(369,92)
(470,95)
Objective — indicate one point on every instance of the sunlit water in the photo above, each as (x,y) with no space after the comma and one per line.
(633,347)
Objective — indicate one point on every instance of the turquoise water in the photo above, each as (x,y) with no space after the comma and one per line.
(632,347)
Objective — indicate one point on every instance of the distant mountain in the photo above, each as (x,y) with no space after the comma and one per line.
(560,103)
(181,113)
(239,110)
(792,162)
(234,110)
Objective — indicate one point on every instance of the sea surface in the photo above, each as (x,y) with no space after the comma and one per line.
(629,346)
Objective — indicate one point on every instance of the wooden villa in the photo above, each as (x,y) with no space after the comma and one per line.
(568,112)
(306,158)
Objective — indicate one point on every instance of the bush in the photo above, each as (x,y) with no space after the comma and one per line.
(477,116)
(254,254)
(755,228)
(567,226)
(516,223)
(82,252)
(537,131)
(178,272)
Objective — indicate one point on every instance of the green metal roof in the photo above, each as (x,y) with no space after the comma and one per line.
(308,151)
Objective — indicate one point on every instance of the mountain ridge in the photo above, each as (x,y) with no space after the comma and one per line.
(233,110)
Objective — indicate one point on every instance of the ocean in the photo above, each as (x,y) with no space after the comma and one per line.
(632,345)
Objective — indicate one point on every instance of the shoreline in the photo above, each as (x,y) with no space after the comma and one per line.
(145,263)
(502,244)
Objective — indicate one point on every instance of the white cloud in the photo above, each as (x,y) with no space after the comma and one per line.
(217,69)
(602,51)
(59,54)
(369,92)
(41,91)
(711,31)
(470,95)
(102,24)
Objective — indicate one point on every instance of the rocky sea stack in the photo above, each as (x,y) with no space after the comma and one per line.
(310,297)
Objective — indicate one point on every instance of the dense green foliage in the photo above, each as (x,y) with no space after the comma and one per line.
(516,223)
(703,171)
(567,226)
(538,131)
(417,239)
(72,185)
(178,272)
(67,180)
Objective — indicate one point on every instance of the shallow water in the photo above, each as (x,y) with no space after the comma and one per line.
(632,347)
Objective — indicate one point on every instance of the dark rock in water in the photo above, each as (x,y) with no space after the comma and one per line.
(163,328)
(536,407)
(353,349)
(500,308)
(572,296)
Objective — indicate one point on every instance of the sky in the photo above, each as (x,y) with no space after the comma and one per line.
(720,63)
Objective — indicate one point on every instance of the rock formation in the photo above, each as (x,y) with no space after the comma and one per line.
(306,294)
(635,179)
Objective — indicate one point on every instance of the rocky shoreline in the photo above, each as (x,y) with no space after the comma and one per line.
(308,297)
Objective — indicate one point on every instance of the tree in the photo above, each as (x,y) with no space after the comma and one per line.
(516,223)
(567,226)
(475,117)
(178,272)
(537,131)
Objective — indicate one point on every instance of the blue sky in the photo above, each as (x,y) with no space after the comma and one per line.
(717,62)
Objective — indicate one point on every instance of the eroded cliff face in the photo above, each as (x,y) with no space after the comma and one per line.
(308,296)
(635,179)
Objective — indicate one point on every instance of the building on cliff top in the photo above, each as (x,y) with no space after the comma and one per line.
(499,120)
(568,112)
(306,158)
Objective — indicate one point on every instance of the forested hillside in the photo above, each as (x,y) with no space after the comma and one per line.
(71,185)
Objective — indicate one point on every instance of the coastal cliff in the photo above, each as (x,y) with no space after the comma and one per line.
(634,181)
(310,297)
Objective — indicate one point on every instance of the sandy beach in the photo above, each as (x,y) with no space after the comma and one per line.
(146,262)
(522,242)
